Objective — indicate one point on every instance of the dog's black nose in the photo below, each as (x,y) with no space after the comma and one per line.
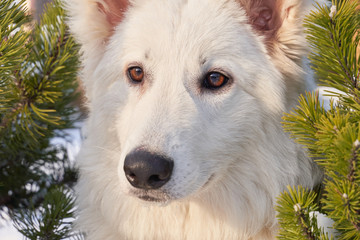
(147,170)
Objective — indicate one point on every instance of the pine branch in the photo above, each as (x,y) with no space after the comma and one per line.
(38,89)
(12,53)
(37,85)
(303,123)
(353,161)
(305,228)
(52,221)
(342,199)
(295,214)
(340,52)
(332,137)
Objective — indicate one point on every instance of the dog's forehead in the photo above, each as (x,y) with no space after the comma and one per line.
(189,27)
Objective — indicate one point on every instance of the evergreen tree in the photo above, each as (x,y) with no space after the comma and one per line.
(332,136)
(38,69)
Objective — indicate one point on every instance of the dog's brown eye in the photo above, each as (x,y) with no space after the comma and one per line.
(136,74)
(215,80)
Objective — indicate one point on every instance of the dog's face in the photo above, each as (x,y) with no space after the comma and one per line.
(191,97)
(193,83)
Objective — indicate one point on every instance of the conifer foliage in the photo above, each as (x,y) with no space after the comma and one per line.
(38,69)
(331,136)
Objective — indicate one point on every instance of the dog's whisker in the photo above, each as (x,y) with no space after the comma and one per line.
(106,149)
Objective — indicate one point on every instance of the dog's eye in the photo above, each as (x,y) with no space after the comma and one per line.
(215,80)
(136,74)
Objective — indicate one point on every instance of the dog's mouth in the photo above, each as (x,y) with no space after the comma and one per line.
(151,196)
(148,198)
(160,196)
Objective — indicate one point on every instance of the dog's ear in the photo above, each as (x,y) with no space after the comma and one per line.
(92,22)
(113,10)
(280,22)
(264,15)
(270,17)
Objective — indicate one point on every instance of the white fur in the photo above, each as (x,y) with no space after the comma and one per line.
(231,157)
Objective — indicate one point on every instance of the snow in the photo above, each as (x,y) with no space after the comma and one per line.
(333,11)
(72,142)
(324,95)
(8,232)
(357,143)
(325,223)
(297,207)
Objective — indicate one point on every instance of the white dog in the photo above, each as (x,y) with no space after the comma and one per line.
(186,98)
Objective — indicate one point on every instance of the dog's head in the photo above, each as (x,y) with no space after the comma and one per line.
(186,86)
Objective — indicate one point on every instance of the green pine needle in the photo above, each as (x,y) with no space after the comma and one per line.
(332,137)
(38,80)
(52,221)
(295,209)
(37,86)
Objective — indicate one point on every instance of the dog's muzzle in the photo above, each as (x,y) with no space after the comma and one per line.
(146,170)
